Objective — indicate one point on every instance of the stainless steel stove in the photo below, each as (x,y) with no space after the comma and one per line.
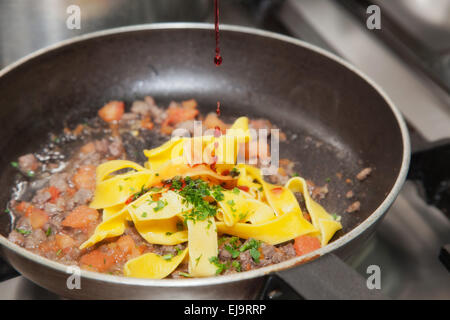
(415,75)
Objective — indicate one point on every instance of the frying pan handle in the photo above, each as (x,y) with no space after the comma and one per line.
(429,167)
(325,278)
(6,271)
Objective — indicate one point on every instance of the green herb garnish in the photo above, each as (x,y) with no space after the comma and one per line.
(252,245)
(160,205)
(234,172)
(198,260)
(48,232)
(234,252)
(236,265)
(221,267)
(15,164)
(167,257)
(23,231)
(184,274)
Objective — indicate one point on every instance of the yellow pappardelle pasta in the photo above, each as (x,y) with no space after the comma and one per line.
(173,201)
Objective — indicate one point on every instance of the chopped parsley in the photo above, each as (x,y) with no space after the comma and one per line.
(234,252)
(336,217)
(242,216)
(194,192)
(296,174)
(155,189)
(327,179)
(236,265)
(48,232)
(30,173)
(144,214)
(160,204)
(234,172)
(231,203)
(184,274)
(252,246)
(59,252)
(180,226)
(221,267)
(136,195)
(198,260)
(167,257)
(236,190)
(23,231)
(168,233)
(15,164)
(217,193)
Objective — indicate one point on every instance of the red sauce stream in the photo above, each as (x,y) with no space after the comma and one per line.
(217,58)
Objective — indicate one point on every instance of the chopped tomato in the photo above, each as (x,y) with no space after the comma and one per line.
(48,246)
(177,114)
(63,241)
(115,252)
(38,218)
(189,104)
(54,192)
(88,148)
(78,129)
(125,247)
(243,188)
(70,191)
(277,190)
(97,260)
(306,244)
(84,178)
(112,111)
(146,123)
(23,206)
(81,217)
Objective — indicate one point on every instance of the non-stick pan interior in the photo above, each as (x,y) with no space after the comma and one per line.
(335,121)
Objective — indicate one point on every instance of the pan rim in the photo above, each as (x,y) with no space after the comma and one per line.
(217,280)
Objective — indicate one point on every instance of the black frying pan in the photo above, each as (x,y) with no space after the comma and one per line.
(341,120)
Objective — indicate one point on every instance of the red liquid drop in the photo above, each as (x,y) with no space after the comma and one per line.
(217,132)
(217,58)
(218,109)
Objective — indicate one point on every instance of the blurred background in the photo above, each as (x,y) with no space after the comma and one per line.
(409,57)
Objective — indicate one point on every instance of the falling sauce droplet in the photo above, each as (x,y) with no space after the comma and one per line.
(218,60)
(218,109)
(217,132)
(218,57)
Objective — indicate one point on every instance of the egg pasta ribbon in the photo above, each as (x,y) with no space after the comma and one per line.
(320,218)
(153,266)
(202,243)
